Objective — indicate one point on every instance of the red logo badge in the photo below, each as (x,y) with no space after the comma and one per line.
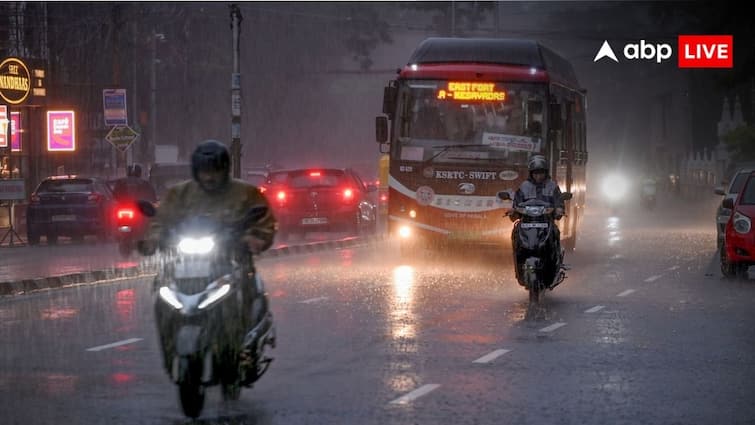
(706,51)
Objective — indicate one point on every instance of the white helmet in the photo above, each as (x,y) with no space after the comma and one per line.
(537,162)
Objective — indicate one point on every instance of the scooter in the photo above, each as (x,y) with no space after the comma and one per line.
(538,258)
(206,334)
(647,195)
(131,224)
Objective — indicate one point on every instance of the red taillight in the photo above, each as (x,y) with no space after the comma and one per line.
(314,174)
(280,196)
(125,214)
(262,189)
(348,195)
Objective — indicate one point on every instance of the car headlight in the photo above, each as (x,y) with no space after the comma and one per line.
(742,223)
(196,245)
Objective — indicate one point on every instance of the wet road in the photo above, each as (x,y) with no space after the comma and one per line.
(643,331)
(67,257)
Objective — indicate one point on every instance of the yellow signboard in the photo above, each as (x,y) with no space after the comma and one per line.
(15,81)
(471,91)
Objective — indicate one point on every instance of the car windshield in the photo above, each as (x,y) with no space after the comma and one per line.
(68,185)
(435,125)
(739,181)
(748,196)
(303,179)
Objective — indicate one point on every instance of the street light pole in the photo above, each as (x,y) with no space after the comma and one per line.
(152,102)
(236,19)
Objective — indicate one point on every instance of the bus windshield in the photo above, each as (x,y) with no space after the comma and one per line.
(498,121)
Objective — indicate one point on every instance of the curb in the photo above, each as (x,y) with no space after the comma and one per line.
(26,286)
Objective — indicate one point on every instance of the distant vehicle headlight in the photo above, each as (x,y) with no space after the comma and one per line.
(742,223)
(196,245)
(615,187)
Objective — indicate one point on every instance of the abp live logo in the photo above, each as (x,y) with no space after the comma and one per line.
(694,51)
(706,51)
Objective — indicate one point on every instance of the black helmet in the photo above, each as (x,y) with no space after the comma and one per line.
(210,155)
(134,170)
(537,162)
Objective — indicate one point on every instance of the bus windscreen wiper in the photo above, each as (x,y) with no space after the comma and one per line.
(445,148)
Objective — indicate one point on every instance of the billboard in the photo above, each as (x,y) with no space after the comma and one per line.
(61,131)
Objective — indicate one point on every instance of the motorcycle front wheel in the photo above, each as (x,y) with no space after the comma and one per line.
(190,389)
(192,398)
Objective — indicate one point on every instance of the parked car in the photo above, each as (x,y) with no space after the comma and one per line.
(71,206)
(730,191)
(738,250)
(321,199)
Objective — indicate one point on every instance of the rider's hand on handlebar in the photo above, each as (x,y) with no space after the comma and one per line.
(558,213)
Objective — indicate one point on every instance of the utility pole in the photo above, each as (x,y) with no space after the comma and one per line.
(236,19)
(152,101)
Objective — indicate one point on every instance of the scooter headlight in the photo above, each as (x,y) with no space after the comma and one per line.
(169,296)
(196,245)
(215,295)
(534,210)
(742,223)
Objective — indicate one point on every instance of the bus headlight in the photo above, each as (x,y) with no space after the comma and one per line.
(412,214)
(404,232)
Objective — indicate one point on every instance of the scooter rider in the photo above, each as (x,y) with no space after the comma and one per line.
(541,186)
(133,187)
(213,193)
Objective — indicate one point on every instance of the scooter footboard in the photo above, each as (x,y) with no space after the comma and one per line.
(187,340)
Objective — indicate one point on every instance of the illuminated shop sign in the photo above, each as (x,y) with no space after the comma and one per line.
(15,131)
(61,131)
(471,91)
(15,81)
(4,126)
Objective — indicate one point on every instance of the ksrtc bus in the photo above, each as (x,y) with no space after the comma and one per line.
(461,121)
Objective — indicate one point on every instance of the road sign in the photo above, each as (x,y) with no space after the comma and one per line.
(114,106)
(122,136)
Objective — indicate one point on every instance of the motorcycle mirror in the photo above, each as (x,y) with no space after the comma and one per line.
(504,195)
(728,203)
(566,196)
(146,208)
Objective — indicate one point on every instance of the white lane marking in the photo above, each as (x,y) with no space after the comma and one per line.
(419,392)
(115,344)
(313,300)
(595,309)
(553,327)
(673,268)
(625,293)
(487,358)
(653,278)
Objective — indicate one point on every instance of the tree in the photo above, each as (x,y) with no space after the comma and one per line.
(741,143)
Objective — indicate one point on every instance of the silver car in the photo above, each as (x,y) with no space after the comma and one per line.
(732,190)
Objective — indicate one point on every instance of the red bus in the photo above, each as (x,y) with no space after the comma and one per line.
(461,121)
